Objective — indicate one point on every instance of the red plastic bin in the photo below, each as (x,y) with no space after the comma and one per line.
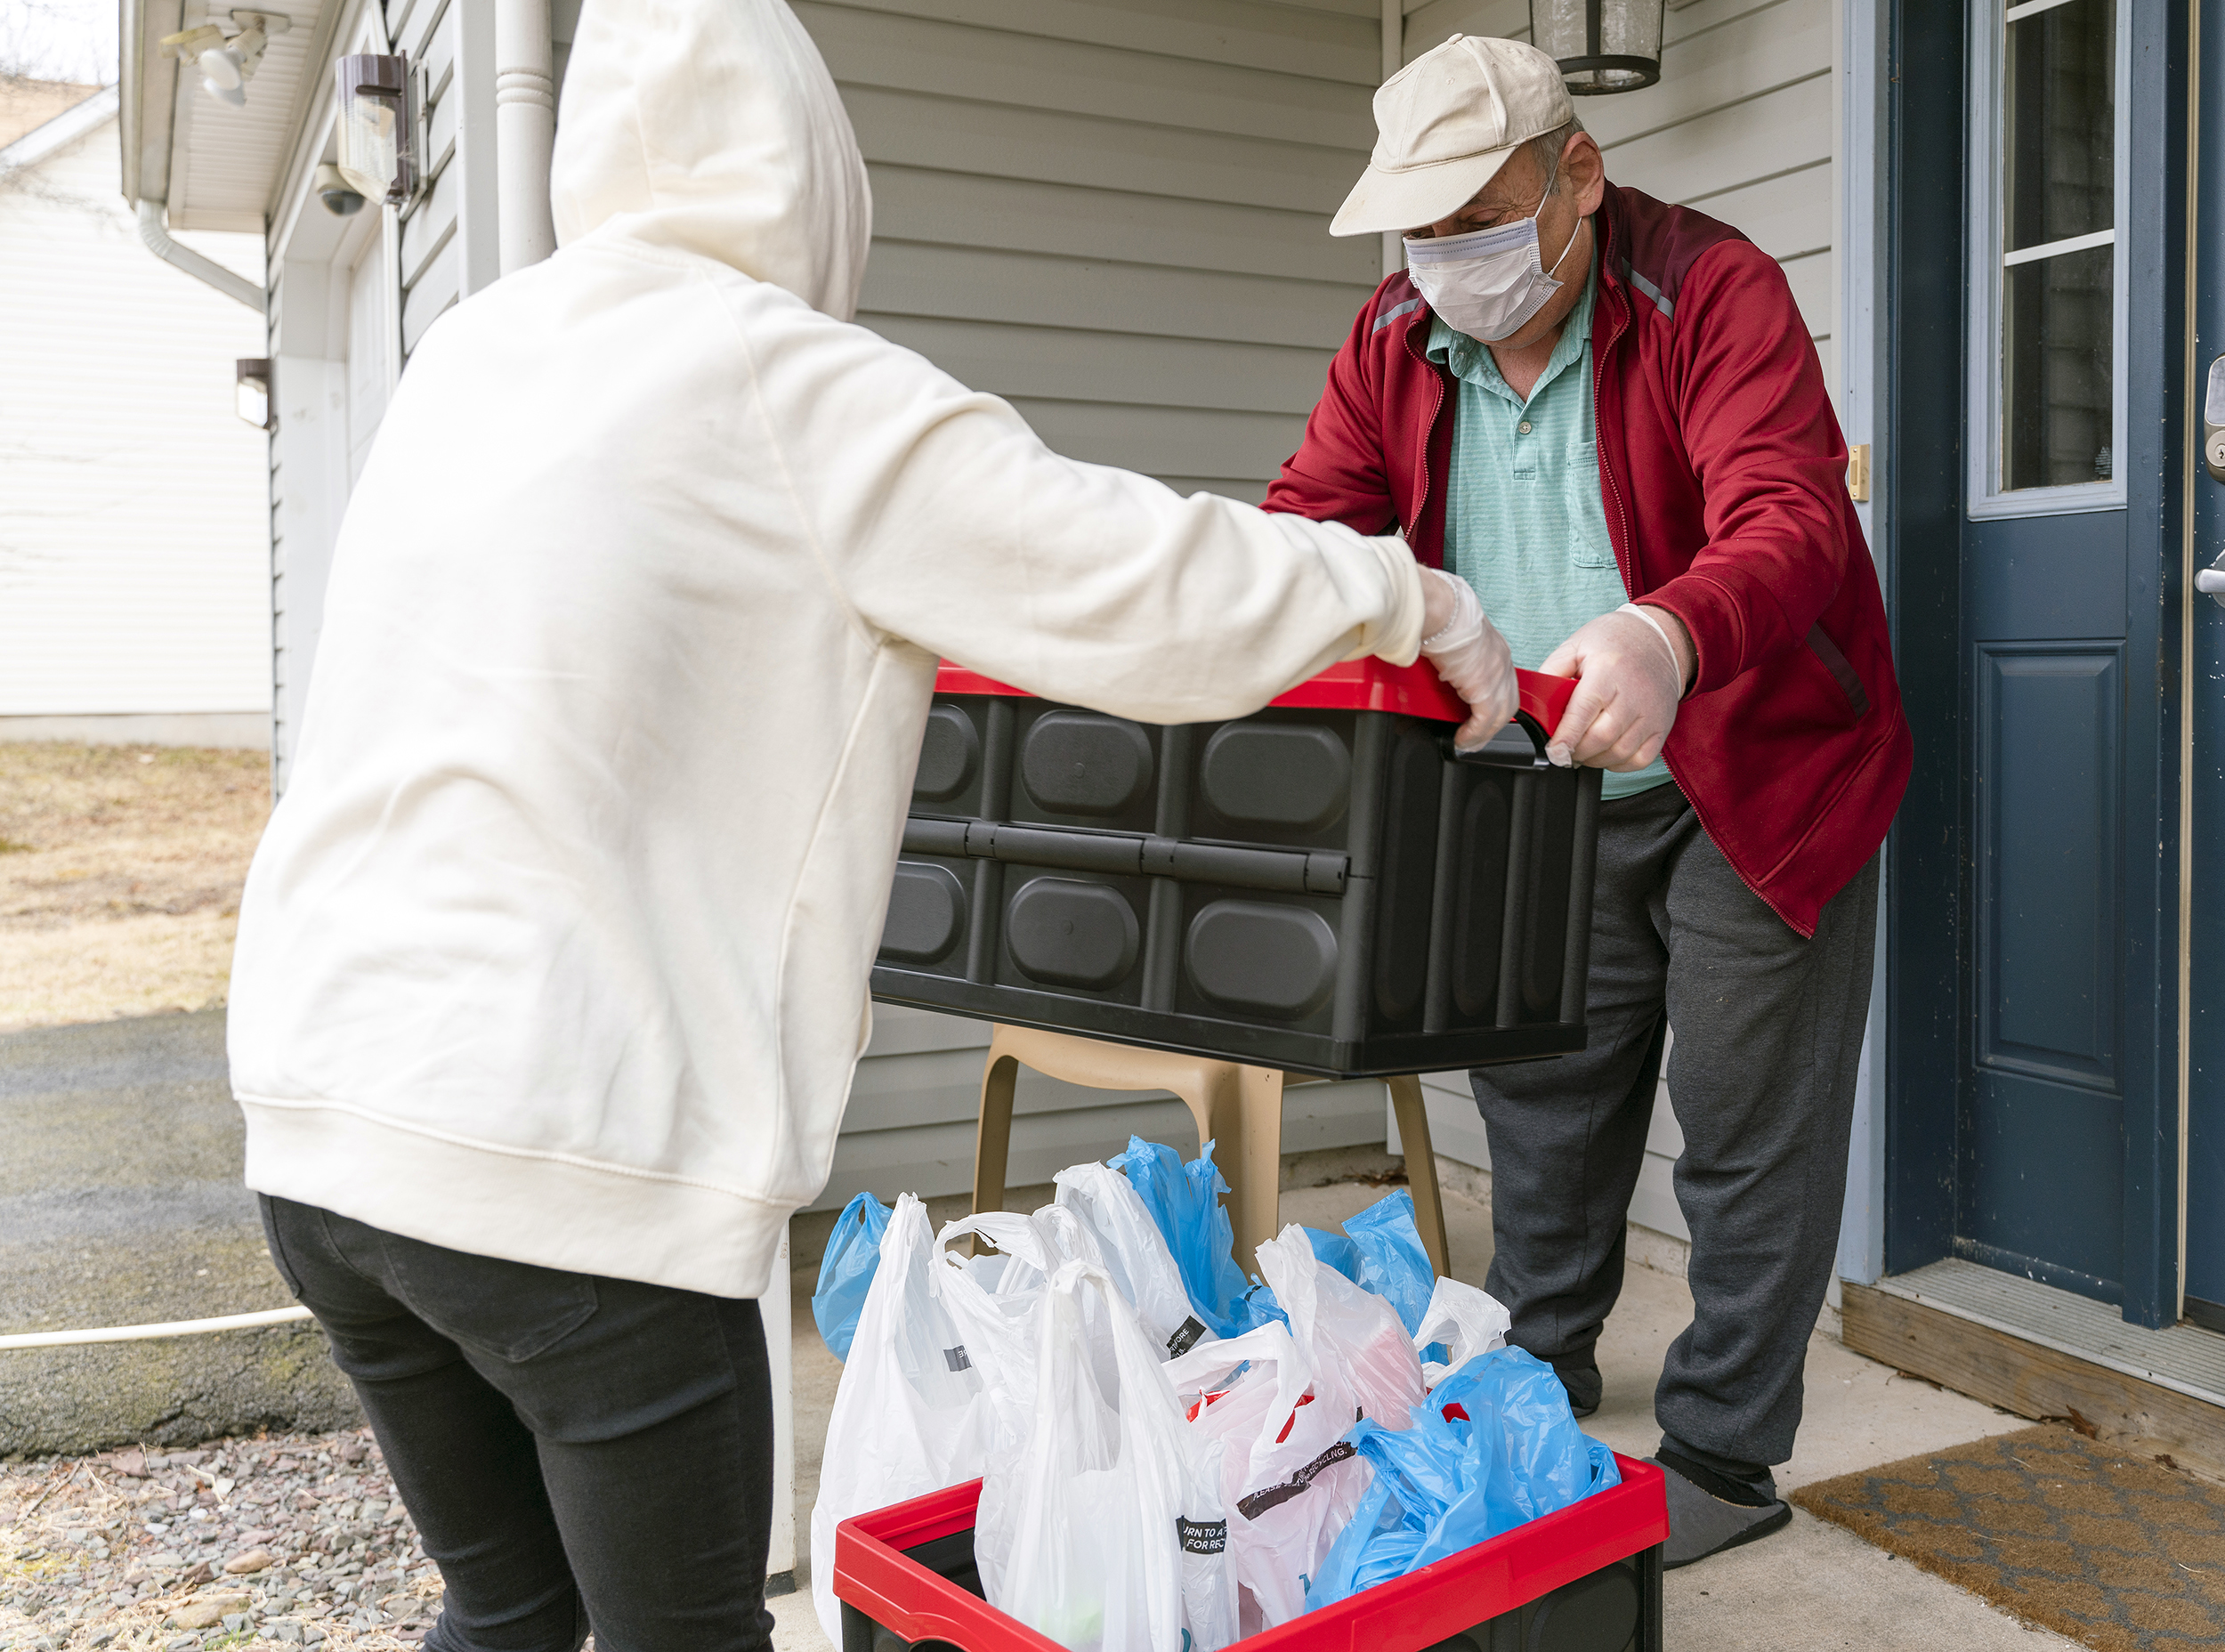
(1585,1579)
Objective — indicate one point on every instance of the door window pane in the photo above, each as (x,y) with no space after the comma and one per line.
(2056,252)
(2055,381)
(2058,124)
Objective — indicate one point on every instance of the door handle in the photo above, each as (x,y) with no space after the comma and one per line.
(2210,581)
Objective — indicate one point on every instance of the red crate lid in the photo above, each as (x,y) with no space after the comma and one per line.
(1370,684)
(872,1572)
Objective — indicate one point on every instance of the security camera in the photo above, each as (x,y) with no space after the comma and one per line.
(342,199)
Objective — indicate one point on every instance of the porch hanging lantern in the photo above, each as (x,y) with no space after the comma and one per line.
(373,137)
(1601,46)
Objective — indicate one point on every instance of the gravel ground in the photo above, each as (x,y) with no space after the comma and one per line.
(120,872)
(283,1539)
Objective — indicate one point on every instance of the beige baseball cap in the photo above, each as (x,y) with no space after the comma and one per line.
(1447,122)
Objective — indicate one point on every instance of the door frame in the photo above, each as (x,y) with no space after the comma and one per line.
(1924,367)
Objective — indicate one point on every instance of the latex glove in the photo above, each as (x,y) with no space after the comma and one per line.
(1629,679)
(1468,653)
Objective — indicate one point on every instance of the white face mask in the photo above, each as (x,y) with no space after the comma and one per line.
(1487,283)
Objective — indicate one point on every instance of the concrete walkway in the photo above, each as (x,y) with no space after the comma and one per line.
(121,1203)
(1811,1588)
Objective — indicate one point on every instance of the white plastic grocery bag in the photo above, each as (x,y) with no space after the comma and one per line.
(1339,1324)
(1120,1538)
(993,1302)
(912,1414)
(1254,1398)
(1134,1254)
(1291,1481)
(1469,1322)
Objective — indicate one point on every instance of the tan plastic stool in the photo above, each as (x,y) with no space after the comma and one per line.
(1239,1108)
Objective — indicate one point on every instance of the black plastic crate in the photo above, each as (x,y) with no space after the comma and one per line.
(1321,886)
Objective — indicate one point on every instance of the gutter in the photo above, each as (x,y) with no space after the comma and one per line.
(147,187)
(201,269)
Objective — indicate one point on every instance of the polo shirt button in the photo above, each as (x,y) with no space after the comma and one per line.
(1524,427)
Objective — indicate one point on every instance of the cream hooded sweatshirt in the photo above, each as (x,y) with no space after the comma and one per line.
(557,947)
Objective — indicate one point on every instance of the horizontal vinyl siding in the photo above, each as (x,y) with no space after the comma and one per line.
(432,260)
(133,528)
(1115,215)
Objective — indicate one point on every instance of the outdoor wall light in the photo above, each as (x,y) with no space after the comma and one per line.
(342,199)
(376,150)
(1601,46)
(227,61)
(254,390)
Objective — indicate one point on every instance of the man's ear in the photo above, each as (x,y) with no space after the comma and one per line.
(1585,171)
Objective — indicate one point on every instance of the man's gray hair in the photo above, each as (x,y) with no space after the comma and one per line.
(1547,147)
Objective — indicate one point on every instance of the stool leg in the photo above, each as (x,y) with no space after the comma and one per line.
(1217,1108)
(993,1137)
(1261,1162)
(1421,1168)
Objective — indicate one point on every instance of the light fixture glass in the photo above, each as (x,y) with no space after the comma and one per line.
(1601,46)
(222,74)
(372,140)
(252,391)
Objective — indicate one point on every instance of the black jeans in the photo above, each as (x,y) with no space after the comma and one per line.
(1761,1074)
(576,1451)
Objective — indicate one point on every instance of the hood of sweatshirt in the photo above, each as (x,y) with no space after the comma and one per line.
(713,127)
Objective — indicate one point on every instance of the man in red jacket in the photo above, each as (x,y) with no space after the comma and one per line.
(1605,414)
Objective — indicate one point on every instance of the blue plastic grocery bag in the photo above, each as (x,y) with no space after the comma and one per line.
(845,1273)
(1393,1262)
(1184,1201)
(1335,1251)
(1493,1446)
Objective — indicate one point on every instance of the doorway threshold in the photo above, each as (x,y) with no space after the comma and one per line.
(2044,1353)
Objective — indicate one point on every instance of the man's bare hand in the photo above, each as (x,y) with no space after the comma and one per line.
(1630,678)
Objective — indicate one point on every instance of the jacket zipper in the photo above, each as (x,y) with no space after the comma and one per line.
(1428,431)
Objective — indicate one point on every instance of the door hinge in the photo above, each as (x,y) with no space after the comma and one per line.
(1858,472)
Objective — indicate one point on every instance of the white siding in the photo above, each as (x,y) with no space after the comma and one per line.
(431,256)
(133,533)
(1114,213)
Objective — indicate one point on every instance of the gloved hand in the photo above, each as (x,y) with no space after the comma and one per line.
(1630,678)
(1468,653)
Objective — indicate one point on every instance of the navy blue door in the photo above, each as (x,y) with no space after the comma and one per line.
(2032,983)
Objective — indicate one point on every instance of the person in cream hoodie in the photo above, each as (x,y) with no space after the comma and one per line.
(552,967)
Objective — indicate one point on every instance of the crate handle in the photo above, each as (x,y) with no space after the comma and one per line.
(1521,744)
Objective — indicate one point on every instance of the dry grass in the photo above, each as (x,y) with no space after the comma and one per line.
(120,872)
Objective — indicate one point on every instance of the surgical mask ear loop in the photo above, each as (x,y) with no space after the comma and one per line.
(1552,184)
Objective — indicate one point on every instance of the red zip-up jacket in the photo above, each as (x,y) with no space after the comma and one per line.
(1723,472)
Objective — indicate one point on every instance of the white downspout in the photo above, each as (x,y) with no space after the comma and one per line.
(525,132)
(207,269)
(1393,60)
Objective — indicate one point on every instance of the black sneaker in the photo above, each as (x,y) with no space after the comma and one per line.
(1584,1387)
(1710,1512)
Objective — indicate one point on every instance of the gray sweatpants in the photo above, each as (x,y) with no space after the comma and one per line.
(1769,1032)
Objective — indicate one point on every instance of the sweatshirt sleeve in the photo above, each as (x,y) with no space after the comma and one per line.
(944,521)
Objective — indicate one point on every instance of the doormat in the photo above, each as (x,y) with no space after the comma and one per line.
(2114,1549)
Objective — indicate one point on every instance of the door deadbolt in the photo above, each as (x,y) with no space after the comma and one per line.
(2213,421)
